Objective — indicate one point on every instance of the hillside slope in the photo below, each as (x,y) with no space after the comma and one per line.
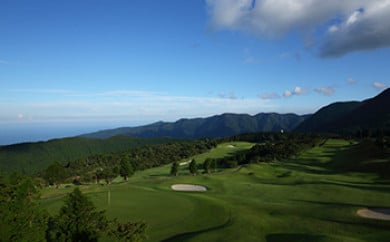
(28,158)
(373,113)
(216,126)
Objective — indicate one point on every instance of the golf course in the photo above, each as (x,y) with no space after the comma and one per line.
(311,197)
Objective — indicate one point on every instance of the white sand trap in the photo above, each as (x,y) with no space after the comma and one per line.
(188,188)
(374,213)
(184,163)
(231,146)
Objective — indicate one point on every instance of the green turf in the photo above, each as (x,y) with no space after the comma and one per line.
(302,199)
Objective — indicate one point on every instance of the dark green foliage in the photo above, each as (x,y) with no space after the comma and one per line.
(207,165)
(193,167)
(125,169)
(78,220)
(129,231)
(55,174)
(21,219)
(29,158)
(105,166)
(174,169)
(270,147)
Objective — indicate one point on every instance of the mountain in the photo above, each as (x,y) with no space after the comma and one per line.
(216,126)
(373,113)
(322,119)
(28,158)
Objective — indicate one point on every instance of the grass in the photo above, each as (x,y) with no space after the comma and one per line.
(302,199)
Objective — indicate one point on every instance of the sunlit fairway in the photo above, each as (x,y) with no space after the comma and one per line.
(302,199)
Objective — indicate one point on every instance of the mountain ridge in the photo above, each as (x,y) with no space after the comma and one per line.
(350,117)
(223,125)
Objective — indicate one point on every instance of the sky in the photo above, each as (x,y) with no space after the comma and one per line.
(75,66)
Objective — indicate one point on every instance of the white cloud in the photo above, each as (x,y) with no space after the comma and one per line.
(269,96)
(296,91)
(351,81)
(380,85)
(349,25)
(327,91)
(287,93)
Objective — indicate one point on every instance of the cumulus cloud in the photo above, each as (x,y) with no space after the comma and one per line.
(296,91)
(287,93)
(379,85)
(338,27)
(327,91)
(269,96)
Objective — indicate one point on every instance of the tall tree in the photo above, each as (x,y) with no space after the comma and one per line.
(174,168)
(207,165)
(125,169)
(78,220)
(21,218)
(55,174)
(193,167)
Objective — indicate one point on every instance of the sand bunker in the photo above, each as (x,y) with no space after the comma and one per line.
(188,188)
(374,213)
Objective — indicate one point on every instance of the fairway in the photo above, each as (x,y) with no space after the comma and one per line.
(302,199)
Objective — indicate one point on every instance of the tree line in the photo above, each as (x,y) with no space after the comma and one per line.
(106,167)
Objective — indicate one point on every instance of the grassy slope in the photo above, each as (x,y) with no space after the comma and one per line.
(303,199)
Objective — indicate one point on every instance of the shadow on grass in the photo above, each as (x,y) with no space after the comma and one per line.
(364,157)
(357,221)
(295,238)
(188,235)
(364,223)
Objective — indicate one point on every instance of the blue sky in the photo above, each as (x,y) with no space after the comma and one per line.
(84,65)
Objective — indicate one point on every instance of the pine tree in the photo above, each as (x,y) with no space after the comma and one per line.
(193,167)
(174,168)
(21,218)
(78,220)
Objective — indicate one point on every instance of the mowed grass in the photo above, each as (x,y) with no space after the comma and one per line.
(302,199)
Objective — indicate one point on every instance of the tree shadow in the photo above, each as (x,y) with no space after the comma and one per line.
(188,235)
(295,237)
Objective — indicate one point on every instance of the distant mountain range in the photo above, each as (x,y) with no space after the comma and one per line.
(337,117)
(373,113)
(216,126)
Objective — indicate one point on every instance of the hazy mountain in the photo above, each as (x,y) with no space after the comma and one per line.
(216,126)
(373,113)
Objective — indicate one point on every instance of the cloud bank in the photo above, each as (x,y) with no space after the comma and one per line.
(335,27)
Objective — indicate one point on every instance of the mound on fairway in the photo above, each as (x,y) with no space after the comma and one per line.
(374,213)
(188,188)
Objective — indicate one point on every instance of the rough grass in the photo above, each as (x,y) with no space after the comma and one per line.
(302,199)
